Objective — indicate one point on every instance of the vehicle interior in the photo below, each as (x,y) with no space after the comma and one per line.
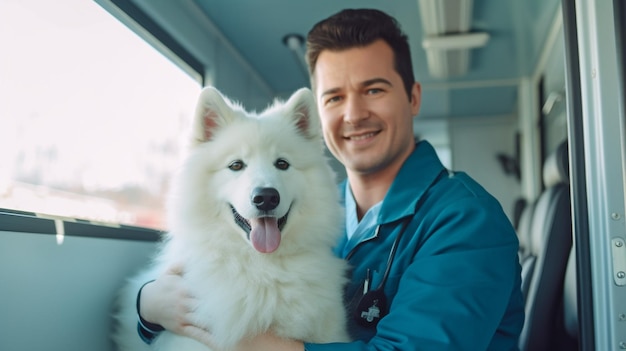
(497,79)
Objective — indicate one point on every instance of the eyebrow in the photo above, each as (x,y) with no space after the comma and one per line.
(376,81)
(364,84)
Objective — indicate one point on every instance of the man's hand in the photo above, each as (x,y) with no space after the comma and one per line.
(167,302)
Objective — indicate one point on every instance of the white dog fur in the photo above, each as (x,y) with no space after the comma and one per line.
(291,284)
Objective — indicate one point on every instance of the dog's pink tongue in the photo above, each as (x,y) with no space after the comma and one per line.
(264,234)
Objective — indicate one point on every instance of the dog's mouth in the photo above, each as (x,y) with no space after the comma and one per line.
(263,232)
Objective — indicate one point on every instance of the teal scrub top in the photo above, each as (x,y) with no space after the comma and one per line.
(455,280)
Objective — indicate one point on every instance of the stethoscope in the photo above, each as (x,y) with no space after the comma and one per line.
(372,306)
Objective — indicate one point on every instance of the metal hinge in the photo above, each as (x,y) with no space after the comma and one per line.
(619,261)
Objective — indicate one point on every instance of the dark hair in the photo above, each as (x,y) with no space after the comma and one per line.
(352,28)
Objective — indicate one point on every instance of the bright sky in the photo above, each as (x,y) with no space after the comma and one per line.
(78,85)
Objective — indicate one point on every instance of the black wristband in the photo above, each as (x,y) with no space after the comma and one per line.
(146,335)
(147,331)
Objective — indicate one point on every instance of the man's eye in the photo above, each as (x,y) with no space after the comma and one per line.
(237,165)
(374,91)
(333,99)
(281,164)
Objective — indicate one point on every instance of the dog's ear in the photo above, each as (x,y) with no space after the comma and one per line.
(302,109)
(212,112)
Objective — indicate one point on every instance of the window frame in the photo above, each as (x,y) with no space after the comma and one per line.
(30,222)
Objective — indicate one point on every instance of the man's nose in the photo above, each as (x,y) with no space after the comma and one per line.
(355,110)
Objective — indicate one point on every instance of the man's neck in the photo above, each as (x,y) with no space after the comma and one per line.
(369,189)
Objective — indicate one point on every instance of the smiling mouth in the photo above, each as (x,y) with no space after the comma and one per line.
(244,223)
(361,136)
(264,233)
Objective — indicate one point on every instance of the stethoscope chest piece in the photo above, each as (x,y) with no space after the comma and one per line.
(371,308)
(373,304)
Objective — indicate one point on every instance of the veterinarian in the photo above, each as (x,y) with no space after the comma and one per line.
(434,257)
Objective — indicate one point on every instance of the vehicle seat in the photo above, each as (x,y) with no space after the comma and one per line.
(526,256)
(551,241)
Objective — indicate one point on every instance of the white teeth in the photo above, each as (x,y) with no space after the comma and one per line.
(361,137)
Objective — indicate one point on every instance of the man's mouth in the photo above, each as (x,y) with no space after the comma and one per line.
(263,232)
(359,137)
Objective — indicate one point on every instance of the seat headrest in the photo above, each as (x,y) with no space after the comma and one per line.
(556,166)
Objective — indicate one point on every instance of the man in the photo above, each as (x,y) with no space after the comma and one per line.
(434,257)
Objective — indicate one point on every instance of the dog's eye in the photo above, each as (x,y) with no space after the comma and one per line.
(281,164)
(237,165)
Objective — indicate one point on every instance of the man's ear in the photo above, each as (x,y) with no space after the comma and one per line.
(212,112)
(416,98)
(302,110)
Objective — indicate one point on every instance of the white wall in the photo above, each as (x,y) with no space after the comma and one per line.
(474,143)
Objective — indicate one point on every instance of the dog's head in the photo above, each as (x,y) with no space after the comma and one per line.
(257,172)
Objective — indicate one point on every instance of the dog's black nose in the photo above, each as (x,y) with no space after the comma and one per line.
(265,199)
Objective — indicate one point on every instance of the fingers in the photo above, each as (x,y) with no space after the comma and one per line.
(199,334)
(176,306)
(167,301)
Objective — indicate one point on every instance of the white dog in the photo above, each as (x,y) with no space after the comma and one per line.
(253,215)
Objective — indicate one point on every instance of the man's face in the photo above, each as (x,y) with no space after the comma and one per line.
(365,112)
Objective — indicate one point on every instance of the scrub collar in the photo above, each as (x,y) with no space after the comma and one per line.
(355,230)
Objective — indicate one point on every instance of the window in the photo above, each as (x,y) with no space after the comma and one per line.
(91,116)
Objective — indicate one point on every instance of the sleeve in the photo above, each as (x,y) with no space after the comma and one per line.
(458,288)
